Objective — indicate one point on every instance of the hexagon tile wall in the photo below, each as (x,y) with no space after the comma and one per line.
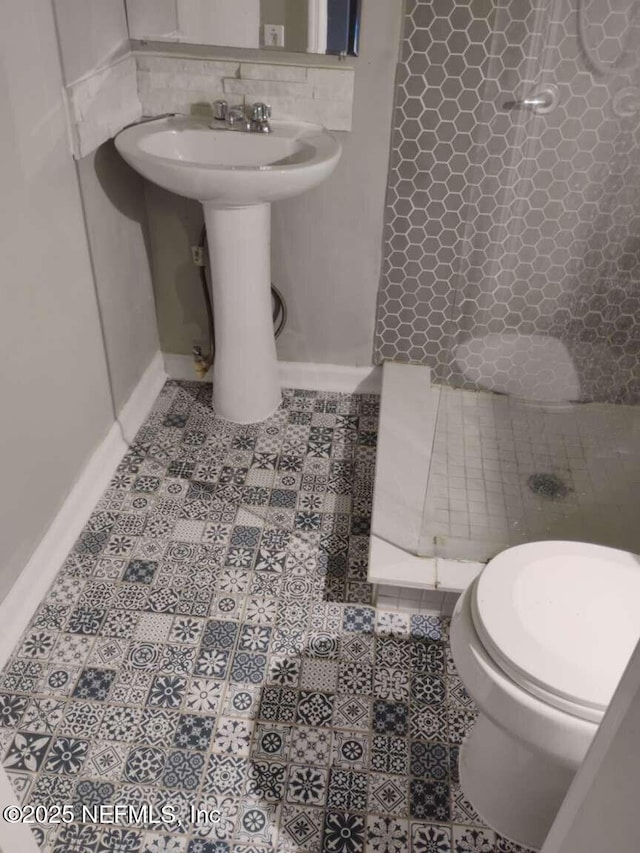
(504,222)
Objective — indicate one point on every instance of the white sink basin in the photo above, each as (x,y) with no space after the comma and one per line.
(236,176)
(229,168)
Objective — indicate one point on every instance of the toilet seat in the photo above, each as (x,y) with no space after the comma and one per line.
(560,619)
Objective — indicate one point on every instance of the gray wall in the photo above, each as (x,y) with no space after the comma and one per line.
(89,32)
(116,218)
(607,781)
(175,224)
(326,244)
(502,221)
(59,391)
(56,403)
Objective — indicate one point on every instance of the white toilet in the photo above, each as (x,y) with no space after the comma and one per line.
(540,641)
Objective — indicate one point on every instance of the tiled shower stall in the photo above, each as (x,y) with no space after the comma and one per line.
(512,263)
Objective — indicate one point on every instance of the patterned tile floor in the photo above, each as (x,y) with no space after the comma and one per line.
(210,642)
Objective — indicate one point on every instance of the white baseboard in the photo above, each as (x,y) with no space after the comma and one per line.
(181,367)
(330,377)
(22,600)
(102,102)
(135,410)
(296,374)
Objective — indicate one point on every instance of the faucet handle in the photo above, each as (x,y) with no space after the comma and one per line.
(260,111)
(220,109)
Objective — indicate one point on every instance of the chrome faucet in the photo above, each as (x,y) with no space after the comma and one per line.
(253,119)
(260,115)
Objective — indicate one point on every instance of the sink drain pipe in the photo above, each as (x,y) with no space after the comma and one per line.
(201,362)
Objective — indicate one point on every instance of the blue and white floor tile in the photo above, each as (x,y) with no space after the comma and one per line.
(211,642)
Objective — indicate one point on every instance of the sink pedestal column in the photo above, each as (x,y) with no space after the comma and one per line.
(246,386)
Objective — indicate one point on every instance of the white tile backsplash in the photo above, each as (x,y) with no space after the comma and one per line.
(174,101)
(259,89)
(103,102)
(322,95)
(179,65)
(331,83)
(289,73)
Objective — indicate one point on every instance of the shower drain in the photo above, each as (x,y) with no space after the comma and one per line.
(548,486)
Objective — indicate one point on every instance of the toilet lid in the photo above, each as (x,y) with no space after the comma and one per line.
(561,619)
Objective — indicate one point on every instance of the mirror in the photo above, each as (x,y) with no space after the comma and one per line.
(311,26)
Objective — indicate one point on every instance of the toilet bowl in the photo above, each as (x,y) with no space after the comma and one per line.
(540,641)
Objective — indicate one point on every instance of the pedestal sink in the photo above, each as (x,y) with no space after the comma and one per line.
(235,175)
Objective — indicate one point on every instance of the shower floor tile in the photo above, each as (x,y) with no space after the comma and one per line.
(210,643)
(504,472)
